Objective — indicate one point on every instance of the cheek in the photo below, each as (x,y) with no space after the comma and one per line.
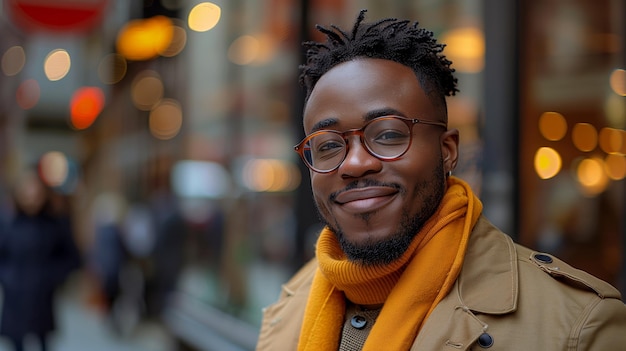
(318,188)
(423,156)
(418,171)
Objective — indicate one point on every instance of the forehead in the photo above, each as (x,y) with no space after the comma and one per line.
(354,89)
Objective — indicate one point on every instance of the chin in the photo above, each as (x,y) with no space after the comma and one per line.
(380,247)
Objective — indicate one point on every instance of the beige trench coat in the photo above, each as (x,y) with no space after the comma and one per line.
(507,297)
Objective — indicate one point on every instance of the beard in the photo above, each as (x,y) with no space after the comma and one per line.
(387,250)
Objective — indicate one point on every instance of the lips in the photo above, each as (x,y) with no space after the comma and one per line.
(364,194)
(365,199)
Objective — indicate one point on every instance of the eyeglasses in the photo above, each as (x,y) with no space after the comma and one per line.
(386,138)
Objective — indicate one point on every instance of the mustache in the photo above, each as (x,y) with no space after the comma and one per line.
(364,183)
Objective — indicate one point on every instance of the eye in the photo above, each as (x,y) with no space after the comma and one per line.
(390,137)
(329,146)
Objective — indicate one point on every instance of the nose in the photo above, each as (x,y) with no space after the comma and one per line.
(358,162)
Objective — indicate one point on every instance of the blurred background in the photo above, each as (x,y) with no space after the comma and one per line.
(164,132)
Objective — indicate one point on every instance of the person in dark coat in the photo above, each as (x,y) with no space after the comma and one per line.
(37,252)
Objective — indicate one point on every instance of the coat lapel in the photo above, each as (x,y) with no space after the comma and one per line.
(280,329)
(489,280)
(487,284)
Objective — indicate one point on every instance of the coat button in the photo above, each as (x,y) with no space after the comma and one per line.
(485,340)
(543,258)
(358,322)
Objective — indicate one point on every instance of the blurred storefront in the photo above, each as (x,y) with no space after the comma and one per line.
(175,122)
(571,132)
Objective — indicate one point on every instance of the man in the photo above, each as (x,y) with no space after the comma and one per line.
(406,260)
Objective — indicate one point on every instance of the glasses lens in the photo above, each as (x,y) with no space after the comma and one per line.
(387,137)
(325,151)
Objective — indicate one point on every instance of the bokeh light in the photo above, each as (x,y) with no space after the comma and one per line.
(547,162)
(28,94)
(591,176)
(179,40)
(266,50)
(200,179)
(53,168)
(144,39)
(615,166)
(57,64)
(466,48)
(552,126)
(585,136)
(13,61)
(611,140)
(617,80)
(166,119)
(112,68)
(204,17)
(270,175)
(244,50)
(59,171)
(147,90)
(85,106)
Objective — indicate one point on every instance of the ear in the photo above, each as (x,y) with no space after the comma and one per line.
(450,149)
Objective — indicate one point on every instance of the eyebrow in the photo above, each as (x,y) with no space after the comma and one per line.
(323,124)
(370,115)
(387,111)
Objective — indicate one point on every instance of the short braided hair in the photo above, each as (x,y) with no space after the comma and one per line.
(391,39)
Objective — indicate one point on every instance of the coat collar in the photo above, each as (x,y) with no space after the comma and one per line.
(488,282)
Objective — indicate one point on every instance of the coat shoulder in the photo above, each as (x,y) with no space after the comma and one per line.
(281,323)
(530,300)
(564,273)
(302,277)
(491,247)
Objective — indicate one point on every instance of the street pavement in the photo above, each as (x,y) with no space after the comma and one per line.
(82,326)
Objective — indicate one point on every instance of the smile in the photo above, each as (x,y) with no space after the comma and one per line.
(365,199)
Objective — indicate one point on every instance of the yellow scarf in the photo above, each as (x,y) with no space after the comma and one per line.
(410,288)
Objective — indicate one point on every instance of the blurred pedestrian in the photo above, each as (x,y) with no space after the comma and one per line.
(37,253)
(108,255)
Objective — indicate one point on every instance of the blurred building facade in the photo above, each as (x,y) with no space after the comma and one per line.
(175,120)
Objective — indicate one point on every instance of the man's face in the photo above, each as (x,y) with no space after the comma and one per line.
(376,207)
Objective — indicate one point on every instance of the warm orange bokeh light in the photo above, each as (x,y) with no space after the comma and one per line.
(591,176)
(166,119)
(547,162)
(615,166)
(585,136)
(144,39)
(147,90)
(611,140)
(270,175)
(552,126)
(466,48)
(617,80)
(85,106)
(179,40)
(204,16)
